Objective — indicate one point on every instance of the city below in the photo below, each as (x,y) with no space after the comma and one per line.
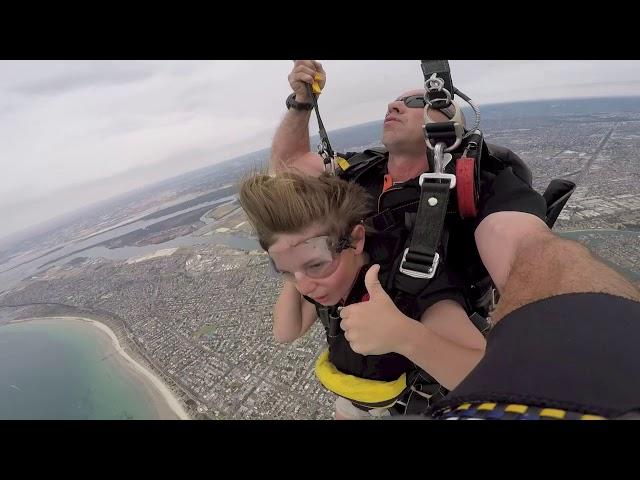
(175,272)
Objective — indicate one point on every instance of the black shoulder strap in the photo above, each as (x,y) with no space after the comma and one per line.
(378,150)
(421,259)
(328,316)
(356,165)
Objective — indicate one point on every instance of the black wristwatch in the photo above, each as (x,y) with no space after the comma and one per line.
(291,103)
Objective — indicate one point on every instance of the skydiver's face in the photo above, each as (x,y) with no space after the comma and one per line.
(316,263)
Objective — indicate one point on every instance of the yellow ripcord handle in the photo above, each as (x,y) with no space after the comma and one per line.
(316,85)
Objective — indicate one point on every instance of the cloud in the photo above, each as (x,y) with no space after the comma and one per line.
(89,76)
(64,124)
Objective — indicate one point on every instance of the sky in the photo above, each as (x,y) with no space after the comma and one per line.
(77,132)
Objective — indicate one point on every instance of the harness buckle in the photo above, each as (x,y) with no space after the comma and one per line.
(334,325)
(327,158)
(431,271)
(438,176)
(458,133)
(436,85)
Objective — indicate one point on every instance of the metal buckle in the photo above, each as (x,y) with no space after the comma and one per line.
(440,103)
(439,176)
(334,324)
(329,161)
(458,130)
(436,84)
(413,273)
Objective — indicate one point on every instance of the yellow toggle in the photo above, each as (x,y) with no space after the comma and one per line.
(316,85)
(342,163)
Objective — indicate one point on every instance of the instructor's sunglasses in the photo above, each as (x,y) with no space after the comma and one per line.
(413,101)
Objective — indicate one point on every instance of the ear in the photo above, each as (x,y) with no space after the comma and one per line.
(357,238)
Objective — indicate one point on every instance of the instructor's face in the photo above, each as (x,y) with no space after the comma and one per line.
(404,119)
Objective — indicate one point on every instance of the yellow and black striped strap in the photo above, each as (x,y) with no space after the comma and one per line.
(510,411)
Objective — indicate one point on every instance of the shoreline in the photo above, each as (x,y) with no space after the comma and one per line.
(167,395)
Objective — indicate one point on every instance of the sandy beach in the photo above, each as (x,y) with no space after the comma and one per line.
(153,383)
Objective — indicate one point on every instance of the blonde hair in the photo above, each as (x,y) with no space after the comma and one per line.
(290,203)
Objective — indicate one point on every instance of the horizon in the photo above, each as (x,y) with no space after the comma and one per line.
(58,221)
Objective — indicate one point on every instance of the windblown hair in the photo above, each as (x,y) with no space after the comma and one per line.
(290,203)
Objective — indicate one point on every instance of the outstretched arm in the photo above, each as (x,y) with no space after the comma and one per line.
(530,263)
(500,235)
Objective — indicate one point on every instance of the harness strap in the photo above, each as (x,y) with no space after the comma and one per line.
(328,316)
(421,259)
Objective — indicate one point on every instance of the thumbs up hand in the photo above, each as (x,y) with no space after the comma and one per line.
(377,326)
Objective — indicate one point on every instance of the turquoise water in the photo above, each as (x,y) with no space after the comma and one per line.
(66,370)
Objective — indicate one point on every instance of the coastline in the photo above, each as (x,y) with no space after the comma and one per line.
(167,395)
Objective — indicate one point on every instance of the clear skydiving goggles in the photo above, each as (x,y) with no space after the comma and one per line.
(317,257)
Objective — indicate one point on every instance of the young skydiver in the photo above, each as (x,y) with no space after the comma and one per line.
(312,229)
